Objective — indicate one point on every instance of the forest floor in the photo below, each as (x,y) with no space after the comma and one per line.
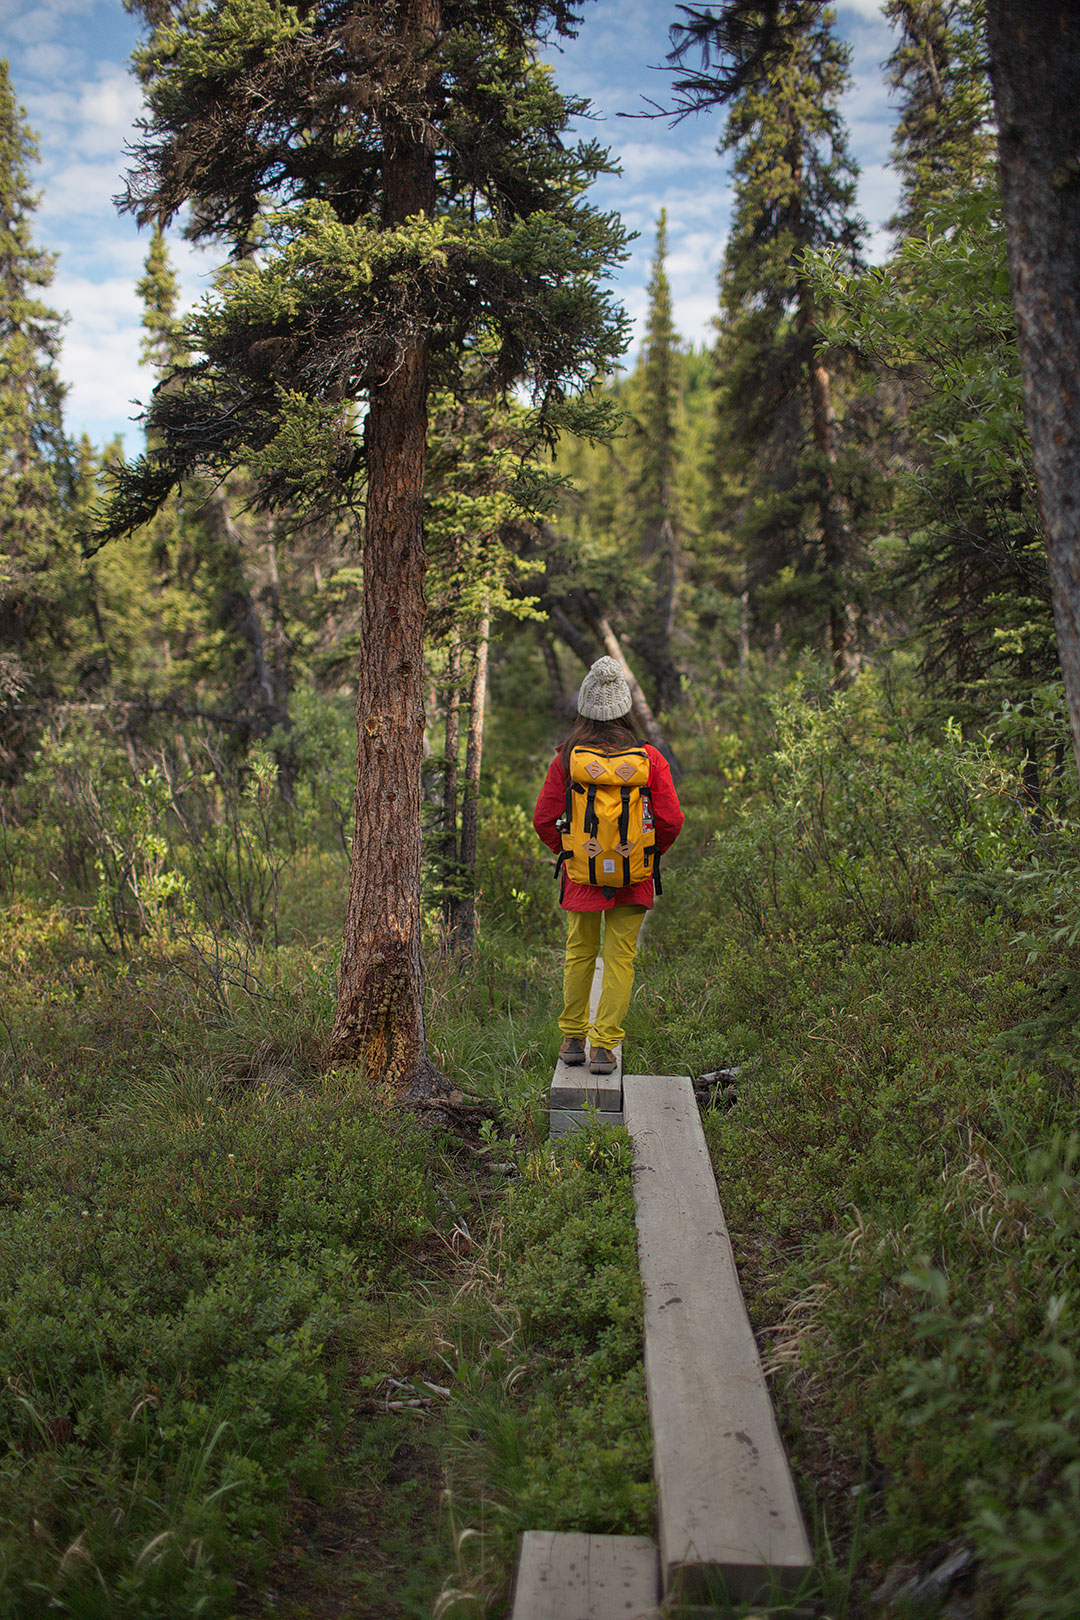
(220,1265)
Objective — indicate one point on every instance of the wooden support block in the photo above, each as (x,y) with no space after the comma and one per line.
(580,1577)
(577,1088)
(562,1120)
(730,1528)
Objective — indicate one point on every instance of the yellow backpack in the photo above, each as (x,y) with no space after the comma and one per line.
(608,837)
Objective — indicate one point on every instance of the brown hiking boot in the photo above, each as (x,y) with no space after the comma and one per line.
(601,1061)
(572,1051)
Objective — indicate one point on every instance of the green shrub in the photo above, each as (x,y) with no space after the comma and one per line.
(177,1271)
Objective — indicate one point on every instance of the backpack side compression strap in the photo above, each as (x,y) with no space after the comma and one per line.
(592,827)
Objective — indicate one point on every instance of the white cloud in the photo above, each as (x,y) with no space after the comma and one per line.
(44,20)
(862,8)
(100,358)
(107,110)
(694,317)
(51,60)
(642,158)
(81,190)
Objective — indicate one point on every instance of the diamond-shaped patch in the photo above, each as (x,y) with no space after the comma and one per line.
(626,770)
(595,768)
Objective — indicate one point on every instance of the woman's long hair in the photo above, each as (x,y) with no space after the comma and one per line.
(609,736)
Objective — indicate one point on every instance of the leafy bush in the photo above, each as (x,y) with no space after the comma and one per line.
(886,944)
(177,1269)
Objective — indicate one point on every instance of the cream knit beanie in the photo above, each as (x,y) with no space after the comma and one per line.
(604,694)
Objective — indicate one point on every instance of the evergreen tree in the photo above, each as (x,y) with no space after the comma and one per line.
(968,547)
(43,626)
(404,172)
(795,186)
(655,414)
(943,142)
(162,345)
(654,482)
(938,317)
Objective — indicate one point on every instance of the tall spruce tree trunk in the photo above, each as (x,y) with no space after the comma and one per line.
(835,543)
(1035,71)
(470,809)
(380,1022)
(653,639)
(380,1016)
(449,850)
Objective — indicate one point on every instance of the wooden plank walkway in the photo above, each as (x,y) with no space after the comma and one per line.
(730,1528)
(578,1577)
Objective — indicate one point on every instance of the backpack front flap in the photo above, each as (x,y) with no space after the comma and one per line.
(608,838)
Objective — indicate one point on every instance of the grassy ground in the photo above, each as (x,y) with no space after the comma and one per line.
(875,939)
(268,1348)
(210,1250)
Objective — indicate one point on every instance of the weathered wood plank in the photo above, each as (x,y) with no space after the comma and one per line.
(577,1088)
(729,1519)
(562,1120)
(569,1576)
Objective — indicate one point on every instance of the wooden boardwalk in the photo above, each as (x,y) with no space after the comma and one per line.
(579,1577)
(728,1517)
(729,1526)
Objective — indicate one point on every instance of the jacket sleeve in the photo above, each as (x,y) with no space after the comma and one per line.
(550,806)
(667,811)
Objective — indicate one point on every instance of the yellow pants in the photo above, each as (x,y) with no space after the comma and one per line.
(582,948)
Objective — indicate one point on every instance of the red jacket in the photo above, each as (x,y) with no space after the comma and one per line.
(667,815)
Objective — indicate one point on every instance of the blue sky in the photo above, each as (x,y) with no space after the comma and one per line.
(68,62)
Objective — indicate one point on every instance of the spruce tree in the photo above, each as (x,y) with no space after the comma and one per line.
(404,173)
(938,316)
(795,184)
(42,585)
(1034,58)
(162,345)
(943,142)
(653,487)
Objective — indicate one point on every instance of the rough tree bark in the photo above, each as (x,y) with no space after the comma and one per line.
(380,1017)
(1035,71)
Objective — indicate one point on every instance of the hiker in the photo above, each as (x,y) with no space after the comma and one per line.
(609,810)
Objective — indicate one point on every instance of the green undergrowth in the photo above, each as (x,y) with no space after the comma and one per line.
(265,1339)
(264,1343)
(207,1247)
(548,1427)
(882,937)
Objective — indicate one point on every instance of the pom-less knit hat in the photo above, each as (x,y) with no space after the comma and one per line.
(604,693)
